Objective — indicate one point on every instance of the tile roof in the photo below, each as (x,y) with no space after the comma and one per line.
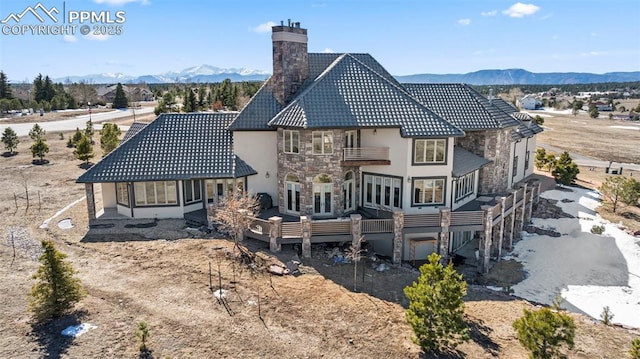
(465,162)
(133,129)
(263,106)
(461,105)
(350,94)
(173,147)
(504,105)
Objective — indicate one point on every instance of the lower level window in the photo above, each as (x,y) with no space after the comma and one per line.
(192,191)
(158,193)
(428,191)
(122,193)
(465,186)
(382,191)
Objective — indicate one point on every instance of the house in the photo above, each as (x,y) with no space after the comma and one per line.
(134,93)
(530,102)
(602,106)
(344,150)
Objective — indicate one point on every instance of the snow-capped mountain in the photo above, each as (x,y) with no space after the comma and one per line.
(201,73)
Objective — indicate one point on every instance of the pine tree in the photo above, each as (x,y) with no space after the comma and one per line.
(73,140)
(37,132)
(620,189)
(57,290)
(120,99)
(436,307)
(565,170)
(5,87)
(10,139)
(541,158)
(84,150)
(109,137)
(543,331)
(88,131)
(40,148)
(634,352)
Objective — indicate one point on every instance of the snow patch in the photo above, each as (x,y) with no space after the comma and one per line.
(589,271)
(77,330)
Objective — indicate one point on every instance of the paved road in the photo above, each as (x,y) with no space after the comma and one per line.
(22,129)
(589,161)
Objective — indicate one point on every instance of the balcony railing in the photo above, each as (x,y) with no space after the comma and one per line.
(366,154)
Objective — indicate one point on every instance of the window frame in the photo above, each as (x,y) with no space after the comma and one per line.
(323,135)
(124,192)
(395,184)
(148,204)
(465,186)
(191,185)
(431,204)
(514,171)
(294,145)
(426,141)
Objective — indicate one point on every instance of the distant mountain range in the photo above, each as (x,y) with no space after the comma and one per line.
(208,73)
(522,77)
(202,73)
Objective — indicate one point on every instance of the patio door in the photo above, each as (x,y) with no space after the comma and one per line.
(292,194)
(348,192)
(322,198)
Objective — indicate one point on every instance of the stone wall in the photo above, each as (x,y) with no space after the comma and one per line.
(290,61)
(306,166)
(493,145)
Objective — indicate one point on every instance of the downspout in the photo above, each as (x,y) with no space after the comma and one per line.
(131,199)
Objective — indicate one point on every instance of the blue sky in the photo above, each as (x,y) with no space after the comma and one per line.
(405,36)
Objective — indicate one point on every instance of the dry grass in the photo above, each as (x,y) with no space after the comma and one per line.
(597,138)
(165,283)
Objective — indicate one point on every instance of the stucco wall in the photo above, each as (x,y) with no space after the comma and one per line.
(108,195)
(257,148)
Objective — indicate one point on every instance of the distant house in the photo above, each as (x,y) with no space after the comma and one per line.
(343,149)
(530,102)
(602,106)
(134,93)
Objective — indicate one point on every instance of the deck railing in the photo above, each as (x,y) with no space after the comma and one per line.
(259,226)
(377,226)
(291,230)
(330,227)
(366,154)
(422,220)
(467,218)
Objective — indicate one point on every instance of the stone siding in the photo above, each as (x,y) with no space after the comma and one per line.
(290,65)
(493,145)
(306,166)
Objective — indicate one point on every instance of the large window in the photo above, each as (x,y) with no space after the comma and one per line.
(322,142)
(122,193)
(291,141)
(465,186)
(430,151)
(515,166)
(192,191)
(216,189)
(428,191)
(526,160)
(382,191)
(161,193)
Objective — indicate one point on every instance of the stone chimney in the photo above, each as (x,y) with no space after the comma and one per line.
(290,60)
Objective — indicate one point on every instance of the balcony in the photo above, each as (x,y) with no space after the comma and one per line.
(366,156)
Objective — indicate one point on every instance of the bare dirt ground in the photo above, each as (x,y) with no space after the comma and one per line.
(165,282)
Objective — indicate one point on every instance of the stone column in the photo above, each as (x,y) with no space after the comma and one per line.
(306,236)
(497,248)
(91,200)
(356,231)
(398,236)
(484,247)
(444,236)
(275,224)
(510,222)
